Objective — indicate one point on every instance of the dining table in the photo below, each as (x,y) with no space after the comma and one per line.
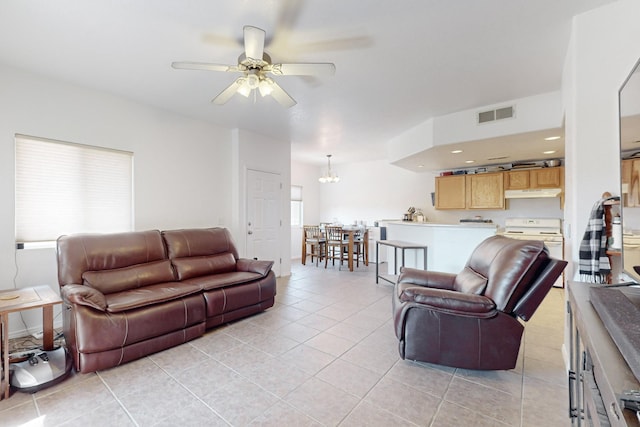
(350,231)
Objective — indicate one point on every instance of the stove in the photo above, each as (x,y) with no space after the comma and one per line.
(549,230)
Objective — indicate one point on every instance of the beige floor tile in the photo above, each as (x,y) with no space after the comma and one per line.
(450,414)
(484,400)
(370,357)
(544,403)
(276,377)
(307,358)
(322,401)
(507,381)
(330,344)
(203,379)
(406,402)
(85,397)
(421,377)
(283,414)
(240,401)
(111,414)
(216,342)
(19,415)
(368,415)
(317,321)
(350,378)
(298,332)
(273,343)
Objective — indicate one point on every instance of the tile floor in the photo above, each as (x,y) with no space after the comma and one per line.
(325,354)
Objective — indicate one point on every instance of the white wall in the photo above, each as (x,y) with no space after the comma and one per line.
(181,166)
(604,47)
(258,152)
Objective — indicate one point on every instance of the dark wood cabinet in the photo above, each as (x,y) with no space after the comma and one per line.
(598,373)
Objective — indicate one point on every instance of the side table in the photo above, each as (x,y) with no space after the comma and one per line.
(17,300)
(398,244)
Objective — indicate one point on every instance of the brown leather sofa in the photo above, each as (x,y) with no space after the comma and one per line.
(471,320)
(127,295)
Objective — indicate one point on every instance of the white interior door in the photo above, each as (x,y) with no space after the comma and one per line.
(264,195)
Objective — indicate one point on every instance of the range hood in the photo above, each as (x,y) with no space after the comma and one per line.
(534,193)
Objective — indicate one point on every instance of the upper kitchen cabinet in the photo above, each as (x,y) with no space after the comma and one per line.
(479,191)
(517,180)
(485,191)
(631,182)
(534,178)
(450,192)
(547,177)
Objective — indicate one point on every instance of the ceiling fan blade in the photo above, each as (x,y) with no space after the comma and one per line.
(311,69)
(281,96)
(228,93)
(203,66)
(253,42)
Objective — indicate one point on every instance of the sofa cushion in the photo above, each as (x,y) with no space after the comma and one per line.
(96,252)
(187,268)
(136,276)
(148,295)
(196,242)
(222,280)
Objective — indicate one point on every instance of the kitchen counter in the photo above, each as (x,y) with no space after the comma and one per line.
(456,225)
(449,245)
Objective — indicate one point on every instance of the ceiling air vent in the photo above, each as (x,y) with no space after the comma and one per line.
(493,115)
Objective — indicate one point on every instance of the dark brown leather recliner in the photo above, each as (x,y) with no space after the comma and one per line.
(471,320)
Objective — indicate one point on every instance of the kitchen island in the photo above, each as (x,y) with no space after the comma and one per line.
(450,245)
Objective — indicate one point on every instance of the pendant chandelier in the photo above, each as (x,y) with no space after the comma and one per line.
(329,176)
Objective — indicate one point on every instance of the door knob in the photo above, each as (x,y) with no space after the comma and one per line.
(249,232)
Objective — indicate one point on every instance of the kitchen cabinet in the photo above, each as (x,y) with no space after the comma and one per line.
(547,177)
(631,182)
(450,192)
(517,180)
(534,178)
(485,191)
(479,191)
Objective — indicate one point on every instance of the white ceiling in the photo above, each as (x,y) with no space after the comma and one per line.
(398,63)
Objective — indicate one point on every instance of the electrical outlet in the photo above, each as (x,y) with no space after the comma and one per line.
(37,335)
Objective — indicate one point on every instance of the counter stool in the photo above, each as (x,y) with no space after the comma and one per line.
(314,241)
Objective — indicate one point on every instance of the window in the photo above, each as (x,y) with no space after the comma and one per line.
(64,188)
(296,206)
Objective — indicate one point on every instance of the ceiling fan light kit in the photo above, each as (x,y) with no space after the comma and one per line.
(329,177)
(255,64)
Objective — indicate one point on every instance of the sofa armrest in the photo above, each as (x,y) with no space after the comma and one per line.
(430,279)
(453,302)
(84,295)
(260,267)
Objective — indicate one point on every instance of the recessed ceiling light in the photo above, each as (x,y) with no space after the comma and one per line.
(420,166)
(469,161)
(456,152)
(552,138)
(549,152)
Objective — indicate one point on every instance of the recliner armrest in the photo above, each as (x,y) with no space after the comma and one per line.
(452,302)
(430,279)
(83,295)
(261,267)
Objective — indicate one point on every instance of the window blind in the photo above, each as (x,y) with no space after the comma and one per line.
(64,188)
(296,192)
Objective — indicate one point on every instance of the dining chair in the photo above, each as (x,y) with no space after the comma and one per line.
(337,245)
(314,243)
(359,250)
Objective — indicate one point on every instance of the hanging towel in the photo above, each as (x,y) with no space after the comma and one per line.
(594,263)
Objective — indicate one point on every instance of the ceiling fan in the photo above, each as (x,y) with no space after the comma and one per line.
(255,66)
